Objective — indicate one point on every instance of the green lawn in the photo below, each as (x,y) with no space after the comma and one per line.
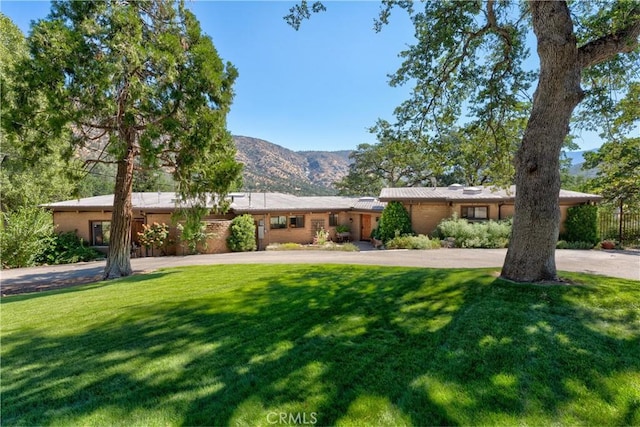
(334,344)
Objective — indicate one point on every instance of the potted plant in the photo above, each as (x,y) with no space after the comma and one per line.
(343,232)
(608,244)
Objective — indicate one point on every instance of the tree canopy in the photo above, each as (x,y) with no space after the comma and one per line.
(26,182)
(618,159)
(472,57)
(139,86)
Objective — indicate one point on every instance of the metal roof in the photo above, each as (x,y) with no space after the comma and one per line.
(468,194)
(248,202)
(261,202)
(158,200)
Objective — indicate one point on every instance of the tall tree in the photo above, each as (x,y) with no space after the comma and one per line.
(472,54)
(26,182)
(531,254)
(142,76)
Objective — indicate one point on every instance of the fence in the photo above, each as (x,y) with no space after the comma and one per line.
(612,227)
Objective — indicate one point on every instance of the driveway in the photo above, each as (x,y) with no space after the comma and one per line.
(622,264)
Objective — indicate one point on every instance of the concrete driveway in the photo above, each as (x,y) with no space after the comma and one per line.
(622,264)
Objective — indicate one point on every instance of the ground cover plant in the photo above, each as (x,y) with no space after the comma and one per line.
(327,246)
(413,242)
(334,344)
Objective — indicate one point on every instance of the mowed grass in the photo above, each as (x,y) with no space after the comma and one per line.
(330,344)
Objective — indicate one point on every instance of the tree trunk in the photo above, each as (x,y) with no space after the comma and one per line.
(536,223)
(119,257)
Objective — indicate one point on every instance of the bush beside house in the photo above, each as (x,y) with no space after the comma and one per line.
(581,226)
(413,242)
(27,238)
(67,248)
(242,237)
(485,234)
(154,236)
(394,222)
(24,235)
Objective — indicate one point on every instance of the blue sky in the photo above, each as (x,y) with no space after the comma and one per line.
(318,88)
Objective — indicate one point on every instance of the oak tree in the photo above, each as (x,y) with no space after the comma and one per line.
(395,161)
(136,83)
(473,54)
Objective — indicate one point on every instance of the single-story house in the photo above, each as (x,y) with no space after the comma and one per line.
(283,218)
(427,206)
(279,218)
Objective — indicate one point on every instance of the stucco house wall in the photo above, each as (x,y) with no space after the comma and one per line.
(80,222)
(307,233)
(428,206)
(148,208)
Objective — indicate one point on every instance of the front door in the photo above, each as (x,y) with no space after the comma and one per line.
(365,227)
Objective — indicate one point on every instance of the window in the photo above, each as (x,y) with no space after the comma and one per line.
(475,212)
(296,221)
(100,233)
(278,222)
(333,220)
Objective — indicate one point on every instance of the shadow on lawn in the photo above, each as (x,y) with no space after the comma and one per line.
(37,291)
(426,347)
(32,282)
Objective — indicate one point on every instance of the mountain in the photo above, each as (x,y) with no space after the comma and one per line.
(270,167)
(577,159)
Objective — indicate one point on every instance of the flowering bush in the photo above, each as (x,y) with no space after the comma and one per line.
(322,237)
(154,235)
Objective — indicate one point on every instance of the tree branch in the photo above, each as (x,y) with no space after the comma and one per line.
(106,162)
(606,47)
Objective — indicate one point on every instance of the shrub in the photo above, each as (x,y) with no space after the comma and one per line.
(486,234)
(413,242)
(154,236)
(339,247)
(343,229)
(395,221)
(582,224)
(24,236)
(243,234)
(322,237)
(67,248)
(375,234)
(349,247)
(329,246)
(284,246)
(563,244)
